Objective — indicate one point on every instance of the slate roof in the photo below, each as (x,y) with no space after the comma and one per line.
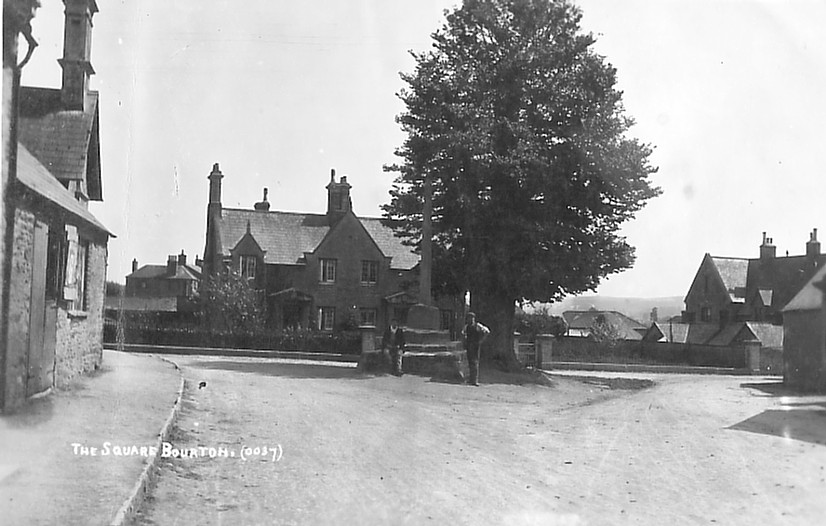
(32,174)
(628,328)
(187,272)
(771,336)
(776,280)
(734,273)
(286,236)
(809,297)
(62,140)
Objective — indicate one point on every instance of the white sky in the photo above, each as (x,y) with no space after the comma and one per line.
(730,92)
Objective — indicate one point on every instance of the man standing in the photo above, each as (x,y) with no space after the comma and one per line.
(394,340)
(474,333)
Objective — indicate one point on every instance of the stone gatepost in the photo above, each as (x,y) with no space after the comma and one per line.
(543,351)
(368,338)
(752,350)
(516,346)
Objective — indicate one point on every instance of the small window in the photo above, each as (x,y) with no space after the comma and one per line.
(369,272)
(705,314)
(367,317)
(327,271)
(326,318)
(248,266)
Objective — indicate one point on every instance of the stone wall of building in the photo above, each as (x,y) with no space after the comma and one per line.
(804,349)
(80,333)
(20,290)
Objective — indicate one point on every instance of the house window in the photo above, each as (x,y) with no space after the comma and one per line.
(248,267)
(74,287)
(369,272)
(326,318)
(705,314)
(328,271)
(367,317)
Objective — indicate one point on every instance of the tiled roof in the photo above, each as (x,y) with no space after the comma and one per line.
(187,272)
(734,273)
(37,178)
(286,236)
(784,276)
(809,297)
(61,139)
(770,336)
(584,320)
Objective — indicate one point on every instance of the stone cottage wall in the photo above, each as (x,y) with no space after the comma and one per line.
(80,333)
(20,291)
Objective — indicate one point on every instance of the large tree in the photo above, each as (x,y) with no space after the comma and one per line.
(517,123)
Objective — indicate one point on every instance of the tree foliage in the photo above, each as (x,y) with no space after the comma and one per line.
(519,125)
(604,332)
(227,303)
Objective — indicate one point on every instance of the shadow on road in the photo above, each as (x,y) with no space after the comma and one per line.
(286,370)
(808,425)
(772,388)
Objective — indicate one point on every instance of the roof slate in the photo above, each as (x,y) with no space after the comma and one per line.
(37,178)
(187,272)
(734,273)
(286,236)
(60,139)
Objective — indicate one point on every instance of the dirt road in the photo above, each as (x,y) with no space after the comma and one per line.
(353,449)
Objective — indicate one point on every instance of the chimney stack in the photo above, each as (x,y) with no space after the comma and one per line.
(813,245)
(77,49)
(338,198)
(767,250)
(264,205)
(182,259)
(215,185)
(134,265)
(172,265)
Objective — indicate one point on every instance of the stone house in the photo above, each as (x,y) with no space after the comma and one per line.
(729,289)
(321,271)
(804,344)
(54,258)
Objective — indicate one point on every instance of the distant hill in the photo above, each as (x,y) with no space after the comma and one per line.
(636,308)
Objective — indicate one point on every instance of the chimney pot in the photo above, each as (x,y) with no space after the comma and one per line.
(332,174)
(182,259)
(134,265)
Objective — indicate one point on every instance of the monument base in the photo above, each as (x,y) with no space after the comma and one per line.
(424,317)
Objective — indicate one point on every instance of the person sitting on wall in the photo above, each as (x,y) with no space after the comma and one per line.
(394,341)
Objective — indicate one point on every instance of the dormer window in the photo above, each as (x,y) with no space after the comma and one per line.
(247,264)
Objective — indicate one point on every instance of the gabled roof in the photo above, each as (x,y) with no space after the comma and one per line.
(627,328)
(187,272)
(34,176)
(286,236)
(770,336)
(64,141)
(734,273)
(810,297)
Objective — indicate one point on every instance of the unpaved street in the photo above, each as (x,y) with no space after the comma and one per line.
(360,449)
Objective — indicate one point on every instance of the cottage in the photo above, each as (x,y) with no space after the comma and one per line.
(324,271)
(55,263)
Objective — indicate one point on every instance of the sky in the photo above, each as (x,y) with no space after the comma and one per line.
(730,93)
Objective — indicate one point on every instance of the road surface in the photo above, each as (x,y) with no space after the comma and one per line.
(337,447)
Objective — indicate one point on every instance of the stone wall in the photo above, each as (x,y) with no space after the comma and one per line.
(20,289)
(80,333)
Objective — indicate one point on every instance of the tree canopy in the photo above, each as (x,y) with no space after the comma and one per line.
(520,127)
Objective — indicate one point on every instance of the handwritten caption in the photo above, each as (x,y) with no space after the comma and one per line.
(272,453)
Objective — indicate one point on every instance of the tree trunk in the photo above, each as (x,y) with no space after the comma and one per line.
(497,313)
